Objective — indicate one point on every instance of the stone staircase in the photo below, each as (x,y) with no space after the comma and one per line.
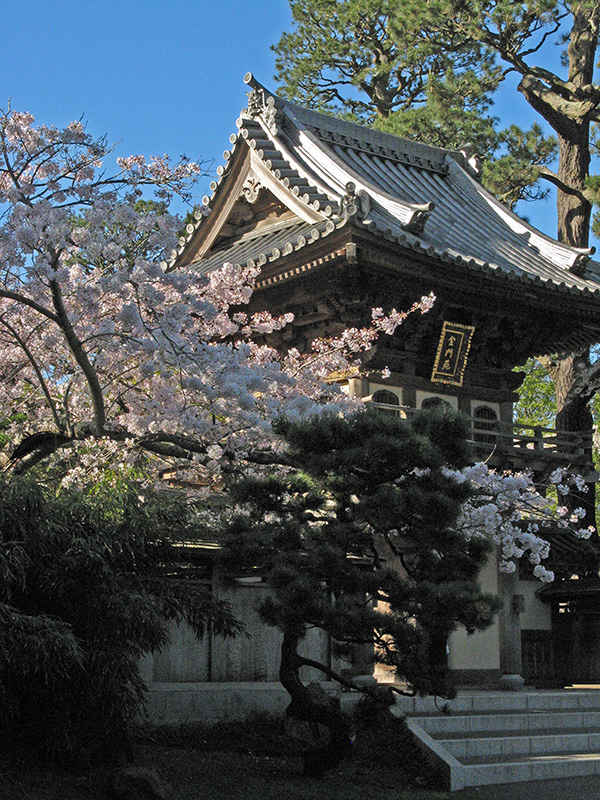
(502,737)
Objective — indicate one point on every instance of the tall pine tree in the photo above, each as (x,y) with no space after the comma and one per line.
(387,64)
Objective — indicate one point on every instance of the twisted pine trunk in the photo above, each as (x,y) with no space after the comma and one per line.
(313,707)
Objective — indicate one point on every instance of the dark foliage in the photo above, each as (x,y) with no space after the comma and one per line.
(382,742)
(85,591)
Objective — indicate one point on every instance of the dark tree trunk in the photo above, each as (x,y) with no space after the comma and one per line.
(442,682)
(573,129)
(574,209)
(314,707)
(574,213)
(574,416)
(573,410)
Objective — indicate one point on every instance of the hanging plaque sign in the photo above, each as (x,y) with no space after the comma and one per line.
(452,352)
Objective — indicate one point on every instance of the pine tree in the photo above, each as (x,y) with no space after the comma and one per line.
(410,71)
(359,540)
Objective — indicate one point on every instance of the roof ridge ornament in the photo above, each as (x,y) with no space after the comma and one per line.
(256,102)
(419,217)
(468,157)
(261,104)
(355,203)
(581,260)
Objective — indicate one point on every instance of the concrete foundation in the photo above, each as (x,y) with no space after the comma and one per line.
(173,703)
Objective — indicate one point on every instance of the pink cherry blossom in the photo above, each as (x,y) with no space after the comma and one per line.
(106,351)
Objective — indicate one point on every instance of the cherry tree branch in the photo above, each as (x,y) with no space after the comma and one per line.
(43,385)
(27,301)
(64,322)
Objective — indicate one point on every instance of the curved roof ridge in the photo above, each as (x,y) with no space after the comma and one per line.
(438,159)
(561,254)
(329,172)
(311,155)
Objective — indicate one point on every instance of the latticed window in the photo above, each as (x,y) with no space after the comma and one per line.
(383,397)
(435,403)
(485,419)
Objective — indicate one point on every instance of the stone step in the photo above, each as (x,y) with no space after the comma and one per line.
(488,702)
(529,768)
(501,747)
(499,733)
(527,722)
(563,756)
(504,738)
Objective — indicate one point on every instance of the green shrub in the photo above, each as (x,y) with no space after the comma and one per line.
(86,588)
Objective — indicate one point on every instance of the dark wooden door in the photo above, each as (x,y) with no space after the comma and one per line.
(576,642)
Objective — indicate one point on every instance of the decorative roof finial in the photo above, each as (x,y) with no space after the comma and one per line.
(261,104)
(578,266)
(256,102)
(355,203)
(419,217)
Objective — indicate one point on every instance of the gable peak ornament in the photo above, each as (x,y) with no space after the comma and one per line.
(261,104)
(251,188)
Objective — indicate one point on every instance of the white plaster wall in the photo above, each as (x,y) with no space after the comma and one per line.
(537,615)
(376,387)
(481,650)
(476,403)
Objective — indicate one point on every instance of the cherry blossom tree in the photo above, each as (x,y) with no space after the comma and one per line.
(113,357)
(113,365)
(107,353)
(511,511)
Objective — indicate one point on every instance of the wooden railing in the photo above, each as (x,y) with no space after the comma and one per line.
(532,441)
(525,442)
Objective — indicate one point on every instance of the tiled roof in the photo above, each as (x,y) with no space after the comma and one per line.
(267,244)
(330,172)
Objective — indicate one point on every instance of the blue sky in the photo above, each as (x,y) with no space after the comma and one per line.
(161,77)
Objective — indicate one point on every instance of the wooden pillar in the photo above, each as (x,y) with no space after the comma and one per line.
(464,404)
(409,396)
(510,631)
(358,387)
